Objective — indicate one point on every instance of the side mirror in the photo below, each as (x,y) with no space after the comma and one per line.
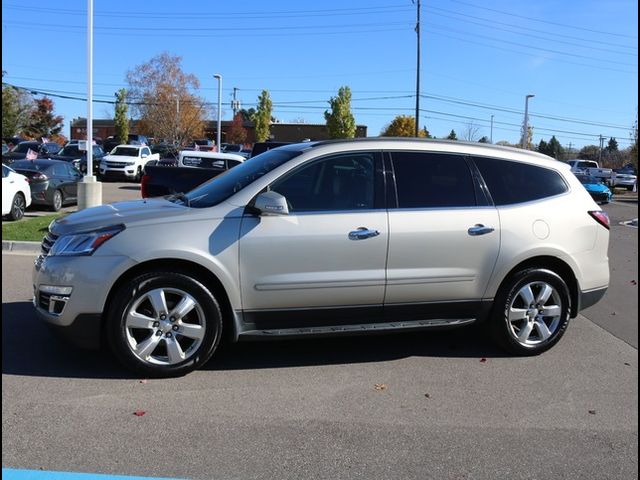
(271,203)
(144,155)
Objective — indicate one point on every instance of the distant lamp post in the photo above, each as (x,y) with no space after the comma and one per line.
(491,135)
(218,77)
(525,132)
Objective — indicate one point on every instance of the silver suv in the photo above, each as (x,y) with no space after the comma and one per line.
(329,238)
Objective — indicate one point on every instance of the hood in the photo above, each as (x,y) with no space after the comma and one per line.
(116,214)
(596,187)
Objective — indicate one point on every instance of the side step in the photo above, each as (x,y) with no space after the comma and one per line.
(355,329)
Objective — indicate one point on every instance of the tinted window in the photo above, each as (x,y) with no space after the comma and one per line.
(344,182)
(71,150)
(515,182)
(125,151)
(60,170)
(430,180)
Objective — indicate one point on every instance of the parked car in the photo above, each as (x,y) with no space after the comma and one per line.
(12,141)
(16,194)
(231,148)
(625,177)
(590,167)
(596,188)
(261,147)
(78,158)
(204,145)
(329,238)
(135,139)
(19,152)
(5,148)
(168,153)
(127,162)
(54,183)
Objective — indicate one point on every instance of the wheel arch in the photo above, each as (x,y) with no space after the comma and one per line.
(556,265)
(198,272)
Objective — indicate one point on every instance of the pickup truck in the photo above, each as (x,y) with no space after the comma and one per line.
(589,167)
(127,161)
(194,169)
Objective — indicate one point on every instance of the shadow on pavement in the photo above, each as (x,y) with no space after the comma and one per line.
(30,348)
(130,187)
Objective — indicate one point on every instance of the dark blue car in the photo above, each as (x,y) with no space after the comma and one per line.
(598,190)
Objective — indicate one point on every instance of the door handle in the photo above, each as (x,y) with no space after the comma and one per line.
(363,233)
(479,229)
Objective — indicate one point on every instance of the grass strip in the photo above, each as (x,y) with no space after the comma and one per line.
(28,230)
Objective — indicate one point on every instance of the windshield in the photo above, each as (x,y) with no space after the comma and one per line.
(70,151)
(24,147)
(223,186)
(587,165)
(125,152)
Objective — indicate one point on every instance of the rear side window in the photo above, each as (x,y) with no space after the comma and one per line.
(431,180)
(515,182)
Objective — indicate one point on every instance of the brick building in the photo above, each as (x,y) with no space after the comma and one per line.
(280,132)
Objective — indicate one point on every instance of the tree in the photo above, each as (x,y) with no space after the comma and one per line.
(553,148)
(164,103)
(247,115)
(484,139)
(403,126)
(121,122)
(470,132)
(633,149)
(237,133)
(262,117)
(43,122)
(589,152)
(16,110)
(452,135)
(340,121)
(612,146)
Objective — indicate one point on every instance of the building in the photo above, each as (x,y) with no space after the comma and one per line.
(280,132)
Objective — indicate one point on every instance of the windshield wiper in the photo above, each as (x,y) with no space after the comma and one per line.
(179,196)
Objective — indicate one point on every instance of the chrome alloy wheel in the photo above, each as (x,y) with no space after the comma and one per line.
(534,313)
(165,326)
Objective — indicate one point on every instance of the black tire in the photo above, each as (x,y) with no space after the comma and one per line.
(138,176)
(541,331)
(135,297)
(56,201)
(18,206)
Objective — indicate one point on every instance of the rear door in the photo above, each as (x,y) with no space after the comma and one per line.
(444,236)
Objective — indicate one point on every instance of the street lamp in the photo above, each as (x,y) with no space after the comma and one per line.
(525,132)
(491,137)
(218,77)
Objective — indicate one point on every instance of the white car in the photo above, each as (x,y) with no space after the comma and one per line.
(16,193)
(127,162)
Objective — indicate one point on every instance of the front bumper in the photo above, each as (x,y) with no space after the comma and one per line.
(128,172)
(84,283)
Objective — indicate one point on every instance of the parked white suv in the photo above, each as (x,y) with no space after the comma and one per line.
(326,238)
(16,193)
(127,162)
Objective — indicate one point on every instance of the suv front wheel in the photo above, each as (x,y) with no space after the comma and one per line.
(164,324)
(531,312)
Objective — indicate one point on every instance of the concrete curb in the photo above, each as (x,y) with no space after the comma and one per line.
(20,247)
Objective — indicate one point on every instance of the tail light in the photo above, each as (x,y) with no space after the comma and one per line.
(143,186)
(38,177)
(601,217)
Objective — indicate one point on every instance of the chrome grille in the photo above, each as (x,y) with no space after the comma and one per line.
(47,243)
(44,300)
(116,164)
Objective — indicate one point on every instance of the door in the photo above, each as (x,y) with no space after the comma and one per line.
(8,189)
(329,251)
(443,235)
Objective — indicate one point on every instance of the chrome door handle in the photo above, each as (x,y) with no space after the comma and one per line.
(362,233)
(479,229)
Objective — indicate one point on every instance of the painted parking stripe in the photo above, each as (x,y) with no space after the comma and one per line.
(15,474)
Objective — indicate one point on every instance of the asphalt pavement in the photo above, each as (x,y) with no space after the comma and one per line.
(445,405)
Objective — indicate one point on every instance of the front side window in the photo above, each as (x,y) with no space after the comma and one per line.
(432,180)
(340,183)
(515,182)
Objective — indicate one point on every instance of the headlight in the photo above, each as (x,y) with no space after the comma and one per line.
(129,163)
(83,243)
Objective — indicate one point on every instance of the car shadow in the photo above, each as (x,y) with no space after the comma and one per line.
(129,187)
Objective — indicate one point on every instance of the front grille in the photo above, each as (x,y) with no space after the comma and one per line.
(44,301)
(116,164)
(51,303)
(47,243)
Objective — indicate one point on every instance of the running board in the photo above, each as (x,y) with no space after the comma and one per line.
(355,329)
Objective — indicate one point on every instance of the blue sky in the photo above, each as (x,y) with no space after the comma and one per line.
(579,59)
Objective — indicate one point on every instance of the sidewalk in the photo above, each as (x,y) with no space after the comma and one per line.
(21,247)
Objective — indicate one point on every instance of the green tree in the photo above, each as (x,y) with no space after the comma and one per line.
(121,122)
(163,101)
(553,148)
(247,114)
(43,122)
(612,146)
(262,117)
(403,126)
(452,135)
(340,120)
(16,110)
(589,152)
(484,139)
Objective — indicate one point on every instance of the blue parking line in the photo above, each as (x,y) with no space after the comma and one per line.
(15,474)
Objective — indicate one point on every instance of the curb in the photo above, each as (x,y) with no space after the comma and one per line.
(20,247)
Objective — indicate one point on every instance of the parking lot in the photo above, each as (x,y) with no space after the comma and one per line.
(445,405)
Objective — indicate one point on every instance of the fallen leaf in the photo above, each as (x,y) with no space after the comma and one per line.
(482,360)
(380,386)
(613,313)
(633,282)
(427,395)
(627,364)
(143,380)
(592,412)
(139,413)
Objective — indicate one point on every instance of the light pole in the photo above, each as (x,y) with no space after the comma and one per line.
(218,77)
(89,190)
(525,133)
(417,129)
(491,135)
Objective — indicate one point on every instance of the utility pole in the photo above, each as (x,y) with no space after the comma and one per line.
(235,104)
(600,152)
(491,136)
(417,2)
(525,129)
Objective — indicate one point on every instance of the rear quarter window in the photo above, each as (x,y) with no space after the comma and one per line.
(514,182)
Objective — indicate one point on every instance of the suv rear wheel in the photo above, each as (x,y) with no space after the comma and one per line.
(531,312)
(164,324)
